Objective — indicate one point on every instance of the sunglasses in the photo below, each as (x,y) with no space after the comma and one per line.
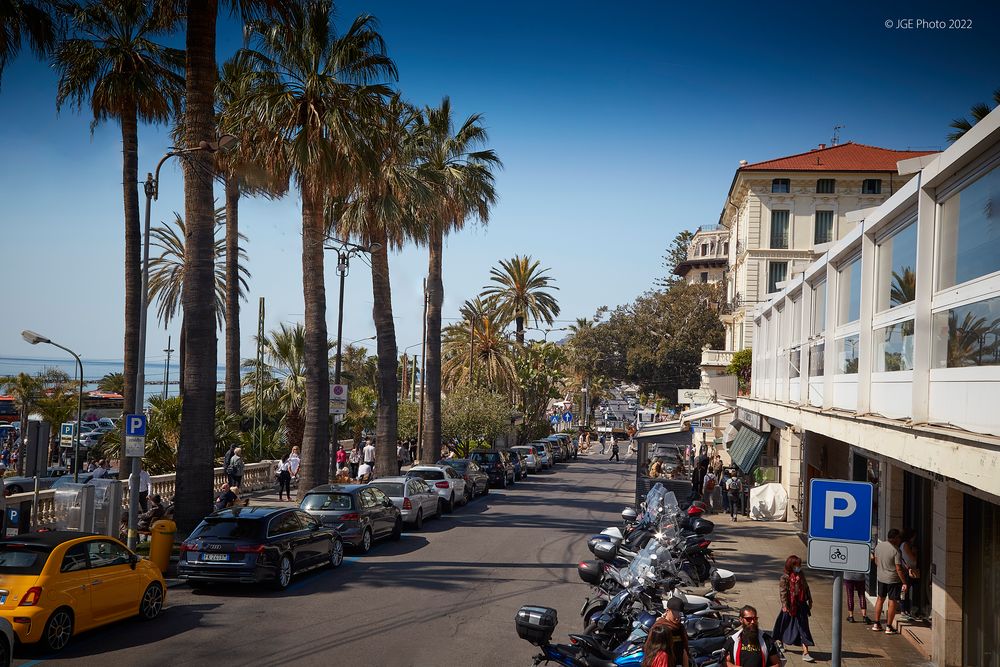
(749,618)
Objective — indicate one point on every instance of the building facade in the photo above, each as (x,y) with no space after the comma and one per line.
(880,362)
(783,213)
(707,256)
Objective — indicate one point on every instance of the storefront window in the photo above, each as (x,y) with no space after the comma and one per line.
(897,276)
(968,335)
(818,325)
(847,354)
(894,347)
(849,290)
(794,359)
(969,232)
(816,363)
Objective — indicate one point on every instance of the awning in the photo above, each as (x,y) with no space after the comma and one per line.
(658,429)
(704,411)
(746,449)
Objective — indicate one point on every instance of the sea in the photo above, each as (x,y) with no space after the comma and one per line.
(95,369)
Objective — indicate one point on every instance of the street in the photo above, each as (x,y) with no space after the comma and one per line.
(445,595)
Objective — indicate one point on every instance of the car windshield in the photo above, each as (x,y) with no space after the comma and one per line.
(328,502)
(460,466)
(229,528)
(391,489)
(427,474)
(22,558)
(485,457)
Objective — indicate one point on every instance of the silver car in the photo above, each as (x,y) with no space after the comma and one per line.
(450,485)
(416,501)
(544,450)
(530,455)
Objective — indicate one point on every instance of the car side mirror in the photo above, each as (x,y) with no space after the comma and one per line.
(133,560)
(387,502)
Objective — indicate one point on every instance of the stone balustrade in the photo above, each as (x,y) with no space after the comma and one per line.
(256,477)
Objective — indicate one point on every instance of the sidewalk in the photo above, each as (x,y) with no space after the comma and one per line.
(756,552)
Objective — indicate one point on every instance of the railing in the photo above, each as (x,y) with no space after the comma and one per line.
(716,357)
(256,477)
(733,305)
(710,228)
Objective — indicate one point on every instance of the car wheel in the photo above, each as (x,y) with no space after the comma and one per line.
(466,495)
(397,530)
(283,576)
(58,629)
(336,552)
(419,523)
(450,505)
(366,541)
(152,602)
(5,651)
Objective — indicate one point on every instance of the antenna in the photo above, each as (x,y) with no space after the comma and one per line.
(836,135)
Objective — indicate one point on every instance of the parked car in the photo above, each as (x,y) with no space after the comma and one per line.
(107,423)
(497,466)
(559,452)
(361,513)
(544,450)
(84,478)
(43,575)
(477,483)
(530,454)
(520,465)
(23,484)
(416,501)
(449,485)
(257,544)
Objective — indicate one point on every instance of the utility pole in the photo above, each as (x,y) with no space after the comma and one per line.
(405,376)
(423,369)
(258,388)
(413,381)
(166,370)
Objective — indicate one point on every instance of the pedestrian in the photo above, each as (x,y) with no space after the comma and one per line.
(724,482)
(368,454)
(614,450)
(698,479)
(579,443)
(153,514)
(400,457)
(413,450)
(354,460)
(228,457)
(101,471)
(734,492)
(600,439)
(235,471)
(908,552)
(791,627)
(892,580)
(226,498)
(749,647)
(632,448)
(708,484)
(294,464)
(854,582)
(285,478)
(145,488)
(91,465)
(341,458)
(364,472)
(667,642)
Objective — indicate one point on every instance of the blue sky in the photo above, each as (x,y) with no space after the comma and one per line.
(619,126)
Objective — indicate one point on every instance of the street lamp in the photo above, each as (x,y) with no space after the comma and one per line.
(345,250)
(152,190)
(35,339)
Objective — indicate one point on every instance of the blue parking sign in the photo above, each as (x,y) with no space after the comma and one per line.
(135,425)
(840,510)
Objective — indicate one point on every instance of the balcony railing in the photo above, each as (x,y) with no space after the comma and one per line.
(732,305)
(710,228)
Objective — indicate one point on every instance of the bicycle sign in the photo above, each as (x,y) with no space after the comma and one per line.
(844,556)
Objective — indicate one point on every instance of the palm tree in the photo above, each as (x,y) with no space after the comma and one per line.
(113,383)
(464,170)
(519,292)
(978,112)
(312,89)
(23,388)
(111,62)
(493,356)
(167,273)
(381,213)
(24,23)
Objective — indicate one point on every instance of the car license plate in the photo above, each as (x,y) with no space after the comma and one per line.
(215,557)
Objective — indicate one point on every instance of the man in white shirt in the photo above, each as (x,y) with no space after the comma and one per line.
(364,472)
(368,454)
(145,488)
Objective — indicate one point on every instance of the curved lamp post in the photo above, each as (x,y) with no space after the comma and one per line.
(35,339)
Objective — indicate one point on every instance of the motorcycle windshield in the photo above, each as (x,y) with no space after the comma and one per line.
(654,500)
(643,565)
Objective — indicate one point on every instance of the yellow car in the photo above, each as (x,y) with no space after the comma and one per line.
(58,583)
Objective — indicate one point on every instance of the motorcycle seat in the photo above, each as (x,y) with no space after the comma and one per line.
(593,648)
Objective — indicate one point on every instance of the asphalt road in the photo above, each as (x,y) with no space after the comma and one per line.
(444,596)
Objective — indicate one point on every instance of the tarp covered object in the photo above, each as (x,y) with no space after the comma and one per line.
(768,502)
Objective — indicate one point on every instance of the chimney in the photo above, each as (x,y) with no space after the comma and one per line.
(822,146)
(743,163)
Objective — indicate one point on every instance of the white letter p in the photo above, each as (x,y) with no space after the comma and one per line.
(832,512)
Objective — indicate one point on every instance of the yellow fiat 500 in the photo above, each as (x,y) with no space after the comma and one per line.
(55,584)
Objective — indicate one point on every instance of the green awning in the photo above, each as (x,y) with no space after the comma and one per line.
(746,449)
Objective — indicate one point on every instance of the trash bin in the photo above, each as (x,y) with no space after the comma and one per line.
(162,543)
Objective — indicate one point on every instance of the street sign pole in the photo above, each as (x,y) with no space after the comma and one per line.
(838,592)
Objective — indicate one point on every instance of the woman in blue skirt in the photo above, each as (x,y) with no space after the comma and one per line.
(791,627)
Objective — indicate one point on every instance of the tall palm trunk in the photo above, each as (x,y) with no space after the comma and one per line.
(294,425)
(519,329)
(432,379)
(316,433)
(133,241)
(232,297)
(385,331)
(196,451)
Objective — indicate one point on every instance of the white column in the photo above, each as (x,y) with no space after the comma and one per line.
(946,576)
(923,329)
(832,289)
(865,334)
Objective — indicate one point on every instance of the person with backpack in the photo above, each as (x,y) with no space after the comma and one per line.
(614,450)
(708,490)
(734,493)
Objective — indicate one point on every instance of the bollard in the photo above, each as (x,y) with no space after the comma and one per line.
(162,543)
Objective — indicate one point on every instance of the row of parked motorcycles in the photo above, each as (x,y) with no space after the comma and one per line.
(653,560)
